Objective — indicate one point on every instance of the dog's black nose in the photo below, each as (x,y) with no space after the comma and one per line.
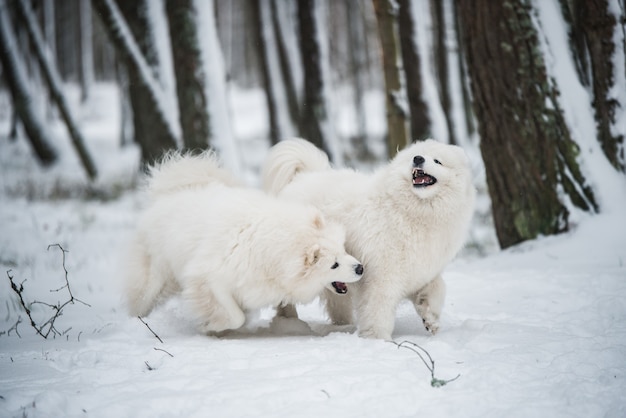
(418,160)
(359,269)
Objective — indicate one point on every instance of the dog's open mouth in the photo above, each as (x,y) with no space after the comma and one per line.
(340,287)
(422,179)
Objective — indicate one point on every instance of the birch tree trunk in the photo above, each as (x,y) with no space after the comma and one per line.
(395,90)
(530,158)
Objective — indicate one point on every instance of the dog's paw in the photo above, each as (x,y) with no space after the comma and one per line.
(431,325)
(373,333)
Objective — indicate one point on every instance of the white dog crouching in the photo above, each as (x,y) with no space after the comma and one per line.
(405,222)
(229,249)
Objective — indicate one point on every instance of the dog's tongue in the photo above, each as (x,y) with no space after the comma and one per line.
(340,287)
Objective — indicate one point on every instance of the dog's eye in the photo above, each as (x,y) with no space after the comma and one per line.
(438,162)
(334,266)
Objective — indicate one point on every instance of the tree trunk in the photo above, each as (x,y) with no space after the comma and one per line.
(153,131)
(357,64)
(190,76)
(272,73)
(289,69)
(530,159)
(222,138)
(395,97)
(420,125)
(599,25)
(50,28)
(53,80)
(441,65)
(313,111)
(14,72)
(464,81)
(86,49)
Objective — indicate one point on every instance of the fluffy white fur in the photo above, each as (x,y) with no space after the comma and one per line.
(227,248)
(404,233)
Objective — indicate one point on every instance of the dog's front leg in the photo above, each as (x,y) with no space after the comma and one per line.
(376,311)
(215,308)
(428,302)
(339,307)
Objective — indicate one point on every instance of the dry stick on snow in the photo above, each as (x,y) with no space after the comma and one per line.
(13,328)
(166,352)
(57,309)
(434,382)
(148,326)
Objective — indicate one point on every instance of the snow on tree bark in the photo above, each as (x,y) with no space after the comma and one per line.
(442,65)
(290,64)
(530,157)
(15,72)
(314,116)
(272,73)
(357,62)
(420,128)
(424,44)
(155,130)
(395,87)
(190,77)
(599,25)
(596,41)
(55,86)
(222,138)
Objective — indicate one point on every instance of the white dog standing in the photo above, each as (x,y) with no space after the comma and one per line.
(228,248)
(405,222)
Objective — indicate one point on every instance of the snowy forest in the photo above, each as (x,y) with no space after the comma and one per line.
(480,75)
(94,91)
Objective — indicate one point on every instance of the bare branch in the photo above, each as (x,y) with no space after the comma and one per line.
(148,326)
(430,365)
(166,352)
(13,328)
(67,283)
(48,326)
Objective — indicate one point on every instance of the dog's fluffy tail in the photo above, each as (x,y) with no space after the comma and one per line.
(288,158)
(178,171)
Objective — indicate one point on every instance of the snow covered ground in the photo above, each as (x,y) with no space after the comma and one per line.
(537,330)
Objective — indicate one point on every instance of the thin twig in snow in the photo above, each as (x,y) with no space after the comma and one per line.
(430,365)
(57,309)
(13,328)
(166,352)
(148,326)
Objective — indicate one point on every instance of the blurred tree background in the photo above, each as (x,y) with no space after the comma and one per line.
(478,74)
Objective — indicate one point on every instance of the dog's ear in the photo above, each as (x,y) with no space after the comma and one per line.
(312,255)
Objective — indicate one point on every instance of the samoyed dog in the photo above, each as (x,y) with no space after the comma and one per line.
(405,222)
(229,249)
